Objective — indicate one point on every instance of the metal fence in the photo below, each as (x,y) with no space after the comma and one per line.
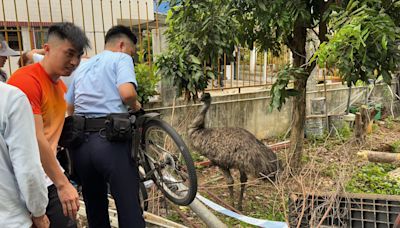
(250,68)
(24,23)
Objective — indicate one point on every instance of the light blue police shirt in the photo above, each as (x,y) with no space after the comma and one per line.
(94,89)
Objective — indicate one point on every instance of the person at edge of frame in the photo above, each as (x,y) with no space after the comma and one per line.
(5,52)
(23,193)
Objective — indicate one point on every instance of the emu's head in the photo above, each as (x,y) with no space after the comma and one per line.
(206,98)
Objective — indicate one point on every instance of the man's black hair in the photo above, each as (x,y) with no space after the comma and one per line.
(70,32)
(119,31)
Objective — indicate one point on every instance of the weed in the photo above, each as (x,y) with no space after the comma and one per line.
(331,171)
(174,217)
(305,158)
(345,132)
(395,146)
(389,122)
(197,157)
(375,127)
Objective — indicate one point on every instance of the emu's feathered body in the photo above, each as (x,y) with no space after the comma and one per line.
(232,148)
(235,148)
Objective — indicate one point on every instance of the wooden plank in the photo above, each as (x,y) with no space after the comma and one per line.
(148,217)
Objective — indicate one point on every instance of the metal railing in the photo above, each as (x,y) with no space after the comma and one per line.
(250,68)
(24,22)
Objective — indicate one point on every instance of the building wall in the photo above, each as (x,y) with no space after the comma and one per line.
(95,21)
(251,110)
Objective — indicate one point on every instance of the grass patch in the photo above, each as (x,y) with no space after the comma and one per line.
(174,217)
(331,171)
(374,178)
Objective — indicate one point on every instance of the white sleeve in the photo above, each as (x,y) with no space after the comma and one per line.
(37,57)
(23,148)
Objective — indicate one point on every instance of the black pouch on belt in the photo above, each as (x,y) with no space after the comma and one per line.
(118,127)
(72,134)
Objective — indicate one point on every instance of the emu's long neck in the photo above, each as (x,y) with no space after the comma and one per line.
(199,121)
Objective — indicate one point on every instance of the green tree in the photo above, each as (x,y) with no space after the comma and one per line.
(365,42)
(272,24)
(200,32)
(147,79)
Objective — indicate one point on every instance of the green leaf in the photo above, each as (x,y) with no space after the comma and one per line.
(384,42)
(195,60)
(262,6)
(386,77)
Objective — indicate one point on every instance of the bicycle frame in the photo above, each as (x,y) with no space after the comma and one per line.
(138,154)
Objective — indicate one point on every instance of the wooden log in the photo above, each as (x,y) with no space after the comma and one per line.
(376,156)
(358,129)
(362,122)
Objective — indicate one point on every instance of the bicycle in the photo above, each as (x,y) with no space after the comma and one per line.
(164,156)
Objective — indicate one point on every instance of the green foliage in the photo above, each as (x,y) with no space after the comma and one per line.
(184,70)
(173,216)
(374,178)
(199,34)
(144,46)
(389,122)
(147,80)
(395,146)
(279,91)
(364,43)
(270,24)
(331,170)
(345,132)
(271,209)
(197,157)
(205,28)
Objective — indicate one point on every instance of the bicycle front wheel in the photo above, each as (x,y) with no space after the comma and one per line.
(169,159)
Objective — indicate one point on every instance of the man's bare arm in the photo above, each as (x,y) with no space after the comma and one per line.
(128,95)
(66,192)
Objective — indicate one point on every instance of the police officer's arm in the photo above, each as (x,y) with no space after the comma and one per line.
(70,98)
(128,95)
(70,109)
(66,192)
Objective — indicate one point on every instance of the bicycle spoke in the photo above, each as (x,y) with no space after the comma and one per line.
(167,157)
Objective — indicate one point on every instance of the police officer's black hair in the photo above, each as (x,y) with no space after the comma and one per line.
(119,31)
(72,33)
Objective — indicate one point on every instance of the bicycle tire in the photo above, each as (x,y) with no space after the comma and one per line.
(143,196)
(161,174)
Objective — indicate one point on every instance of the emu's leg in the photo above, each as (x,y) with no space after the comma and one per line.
(229,181)
(243,180)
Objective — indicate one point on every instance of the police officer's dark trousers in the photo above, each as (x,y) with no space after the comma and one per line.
(98,162)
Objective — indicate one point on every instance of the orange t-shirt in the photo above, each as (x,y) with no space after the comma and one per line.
(46,98)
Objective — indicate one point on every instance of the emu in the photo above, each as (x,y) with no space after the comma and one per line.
(232,148)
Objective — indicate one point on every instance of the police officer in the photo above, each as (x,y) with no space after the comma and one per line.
(105,84)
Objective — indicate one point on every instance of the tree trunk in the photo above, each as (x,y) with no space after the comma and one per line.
(362,122)
(298,118)
(298,47)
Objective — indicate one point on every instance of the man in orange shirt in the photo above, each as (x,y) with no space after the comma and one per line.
(45,91)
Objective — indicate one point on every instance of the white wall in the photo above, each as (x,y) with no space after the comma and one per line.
(90,20)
